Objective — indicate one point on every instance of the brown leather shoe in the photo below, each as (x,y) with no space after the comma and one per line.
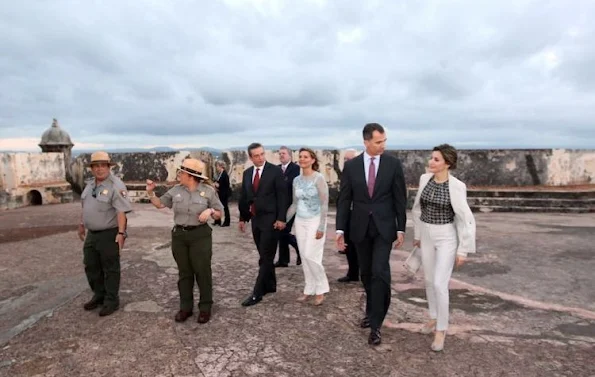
(183,315)
(203,317)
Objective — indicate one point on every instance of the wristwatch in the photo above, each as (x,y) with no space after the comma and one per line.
(124,234)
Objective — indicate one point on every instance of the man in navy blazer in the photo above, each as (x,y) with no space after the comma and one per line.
(263,201)
(290,171)
(373,200)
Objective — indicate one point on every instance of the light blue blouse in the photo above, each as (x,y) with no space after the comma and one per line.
(310,198)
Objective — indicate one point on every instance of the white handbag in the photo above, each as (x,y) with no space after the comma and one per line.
(413,261)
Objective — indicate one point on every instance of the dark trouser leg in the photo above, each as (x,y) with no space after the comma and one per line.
(92,262)
(181,252)
(285,240)
(201,251)
(284,245)
(266,242)
(109,250)
(364,254)
(226,212)
(373,257)
(352,260)
(379,283)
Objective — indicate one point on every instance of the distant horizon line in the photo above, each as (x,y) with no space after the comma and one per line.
(293,147)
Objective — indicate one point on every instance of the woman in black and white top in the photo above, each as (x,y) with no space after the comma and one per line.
(445,232)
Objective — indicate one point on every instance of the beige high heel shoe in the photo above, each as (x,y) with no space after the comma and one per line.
(438,344)
(428,328)
(302,298)
(318,300)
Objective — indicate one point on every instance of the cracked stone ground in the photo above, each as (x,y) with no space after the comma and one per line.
(524,305)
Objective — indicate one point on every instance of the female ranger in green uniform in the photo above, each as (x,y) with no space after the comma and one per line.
(193,201)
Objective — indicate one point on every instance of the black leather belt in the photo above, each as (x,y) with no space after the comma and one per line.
(103,230)
(185,227)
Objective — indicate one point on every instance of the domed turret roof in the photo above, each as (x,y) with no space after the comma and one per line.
(55,136)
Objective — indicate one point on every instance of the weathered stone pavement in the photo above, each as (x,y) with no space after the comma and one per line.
(523,306)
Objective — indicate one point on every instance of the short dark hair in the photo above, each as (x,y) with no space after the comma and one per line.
(252,147)
(449,154)
(369,130)
(315,165)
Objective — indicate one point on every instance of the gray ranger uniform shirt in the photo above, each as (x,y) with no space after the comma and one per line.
(188,205)
(102,203)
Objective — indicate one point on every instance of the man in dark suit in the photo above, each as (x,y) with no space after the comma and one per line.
(263,200)
(353,270)
(374,184)
(290,171)
(223,190)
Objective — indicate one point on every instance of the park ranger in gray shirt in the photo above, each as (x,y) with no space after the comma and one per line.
(103,228)
(193,201)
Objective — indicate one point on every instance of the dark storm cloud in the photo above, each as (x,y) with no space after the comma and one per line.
(223,71)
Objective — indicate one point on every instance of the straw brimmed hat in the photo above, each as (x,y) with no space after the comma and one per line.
(100,157)
(193,167)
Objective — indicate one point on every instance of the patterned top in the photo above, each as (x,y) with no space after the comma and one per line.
(310,198)
(435,204)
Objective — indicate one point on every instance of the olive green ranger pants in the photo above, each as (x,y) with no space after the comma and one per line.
(101,257)
(192,250)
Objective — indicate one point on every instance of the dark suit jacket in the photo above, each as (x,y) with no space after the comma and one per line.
(270,199)
(388,205)
(292,171)
(224,189)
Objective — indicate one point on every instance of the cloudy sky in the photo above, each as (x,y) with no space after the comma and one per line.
(225,73)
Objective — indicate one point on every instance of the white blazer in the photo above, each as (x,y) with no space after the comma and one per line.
(464,219)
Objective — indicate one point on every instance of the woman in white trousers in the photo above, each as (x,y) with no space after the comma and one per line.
(310,207)
(445,232)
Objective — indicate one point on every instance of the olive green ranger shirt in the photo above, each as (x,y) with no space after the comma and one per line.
(187,206)
(101,203)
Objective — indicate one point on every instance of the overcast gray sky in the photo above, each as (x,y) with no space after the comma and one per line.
(225,73)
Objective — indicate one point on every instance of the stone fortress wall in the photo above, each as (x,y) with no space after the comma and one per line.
(480,169)
(492,176)
(33,178)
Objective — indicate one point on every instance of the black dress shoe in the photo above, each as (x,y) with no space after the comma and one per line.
(94,303)
(346,279)
(281,264)
(374,339)
(299,262)
(365,322)
(183,315)
(107,310)
(224,225)
(204,317)
(252,300)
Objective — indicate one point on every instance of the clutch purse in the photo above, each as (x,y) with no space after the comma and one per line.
(413,261)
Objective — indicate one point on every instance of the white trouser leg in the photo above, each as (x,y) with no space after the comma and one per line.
(438,247)
(311,251)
